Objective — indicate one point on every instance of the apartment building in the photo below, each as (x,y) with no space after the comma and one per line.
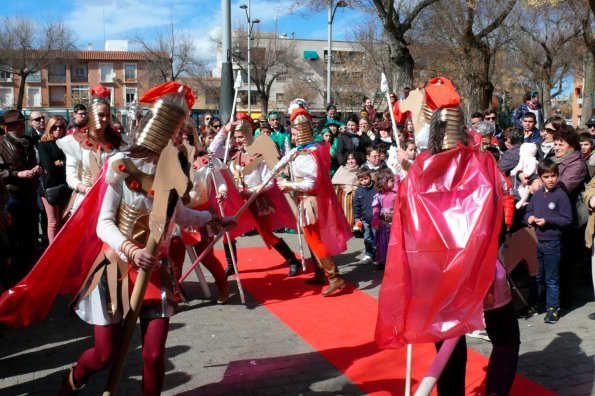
(68,79)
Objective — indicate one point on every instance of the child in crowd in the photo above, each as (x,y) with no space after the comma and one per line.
(362,211)
(374,162)
(549,212)
(382,212)
(586,141)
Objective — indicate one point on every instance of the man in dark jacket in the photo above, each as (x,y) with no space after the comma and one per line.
(530,105)
(19,172)
(510,158)
(352,140)
(362,212)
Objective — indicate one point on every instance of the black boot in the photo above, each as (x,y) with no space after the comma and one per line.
(229,270)
(287,253)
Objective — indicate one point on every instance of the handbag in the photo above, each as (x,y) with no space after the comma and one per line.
(57,195)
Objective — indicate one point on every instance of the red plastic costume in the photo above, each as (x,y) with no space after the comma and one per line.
(61,269)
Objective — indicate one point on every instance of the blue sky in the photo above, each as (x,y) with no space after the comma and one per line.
(201,18)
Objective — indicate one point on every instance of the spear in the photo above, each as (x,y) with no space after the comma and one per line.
(276,170)
(299,213)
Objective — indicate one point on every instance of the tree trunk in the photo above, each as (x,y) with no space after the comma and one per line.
(21,91)
(264,103)
(588,88)
(547,100)
(403,73)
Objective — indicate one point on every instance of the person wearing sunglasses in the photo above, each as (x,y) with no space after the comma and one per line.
(591,126)
(79,118)
(36,126)
(53,161)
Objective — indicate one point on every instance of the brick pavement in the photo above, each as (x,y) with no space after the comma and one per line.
(245,350)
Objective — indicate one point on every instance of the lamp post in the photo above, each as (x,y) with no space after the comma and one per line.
(331,16)
(251,24)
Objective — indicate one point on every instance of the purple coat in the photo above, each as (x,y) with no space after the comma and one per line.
(573,172)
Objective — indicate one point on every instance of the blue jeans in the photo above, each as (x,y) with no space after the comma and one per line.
(548,257)
(369,239)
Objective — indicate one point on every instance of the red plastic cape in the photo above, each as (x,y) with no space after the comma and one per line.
(443,248)
(334,229)
(63,266)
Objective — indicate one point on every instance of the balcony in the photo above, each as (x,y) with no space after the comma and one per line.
(56,78)
(79,79)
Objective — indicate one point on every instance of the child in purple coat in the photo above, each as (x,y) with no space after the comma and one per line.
(382,212)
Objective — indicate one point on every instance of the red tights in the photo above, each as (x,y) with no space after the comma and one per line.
(107,338)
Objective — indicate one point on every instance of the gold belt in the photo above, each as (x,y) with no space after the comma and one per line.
(133,223)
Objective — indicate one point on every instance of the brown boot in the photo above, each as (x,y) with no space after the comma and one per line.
(332,272)
(68,386)
(319,278)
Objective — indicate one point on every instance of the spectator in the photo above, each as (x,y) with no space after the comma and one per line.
(79,118)
(206,121)
(384,134)
(530,105)
(36,127)
(591,125)
(35,132)
(331,113)
(374,162)
(550,213)
(586,142)
(408,132)
(352,140)
(550,127)
(368,107)
(529,129)
(476,117)
(53,161)
(382,213)
(490,116)
(364,127)
(345,183)
(510,158)
(362,212)
(487,129)
(19,172)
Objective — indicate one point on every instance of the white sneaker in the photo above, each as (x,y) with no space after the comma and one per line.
(367,260)
(481,334)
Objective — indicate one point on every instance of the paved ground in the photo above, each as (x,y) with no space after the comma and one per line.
(245,350)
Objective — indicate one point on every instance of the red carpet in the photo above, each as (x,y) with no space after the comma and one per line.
(341,328)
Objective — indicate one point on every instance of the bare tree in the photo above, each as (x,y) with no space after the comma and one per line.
(26,47)
(172,54)
(548,48)
(271,57)
(398,18)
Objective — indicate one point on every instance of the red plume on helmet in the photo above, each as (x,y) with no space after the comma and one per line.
(246,117)
(169,87)
(300,111)
(100,91)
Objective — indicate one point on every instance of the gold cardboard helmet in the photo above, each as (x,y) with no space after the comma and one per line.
(167,116)
(246,129)
(303,125)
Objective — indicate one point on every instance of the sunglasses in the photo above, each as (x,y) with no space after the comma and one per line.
(84,114)
(54,127)
(216,126)
(550,130)
(490,118)
(38,118)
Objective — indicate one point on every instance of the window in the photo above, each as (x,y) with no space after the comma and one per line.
(279,97)
(129,71)
(34,77)
(57,96)
(130,96)
(106,72)
(212,95)
(79,93)
(80,70)
(5,76)
(34,96)
(6,97)
(57,73)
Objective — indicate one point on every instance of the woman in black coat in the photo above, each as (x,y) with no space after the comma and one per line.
(53,162)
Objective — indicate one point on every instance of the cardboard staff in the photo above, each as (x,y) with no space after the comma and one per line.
(236,85)
(211,166)
(170,182)
(384,88)
(299,212)
(245,206)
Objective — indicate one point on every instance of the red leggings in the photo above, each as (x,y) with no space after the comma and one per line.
(177,253)
(107,338)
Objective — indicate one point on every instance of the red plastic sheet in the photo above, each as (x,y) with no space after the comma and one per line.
(63,266)
(442,250)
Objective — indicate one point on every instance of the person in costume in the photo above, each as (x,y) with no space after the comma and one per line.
(124,223)
(442,275)
(87,149)
(326,230)
(263,207)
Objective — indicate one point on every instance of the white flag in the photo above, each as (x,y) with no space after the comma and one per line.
(383,84)
(238,82)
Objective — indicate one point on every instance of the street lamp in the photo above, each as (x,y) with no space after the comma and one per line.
(251,24)
(331,16)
